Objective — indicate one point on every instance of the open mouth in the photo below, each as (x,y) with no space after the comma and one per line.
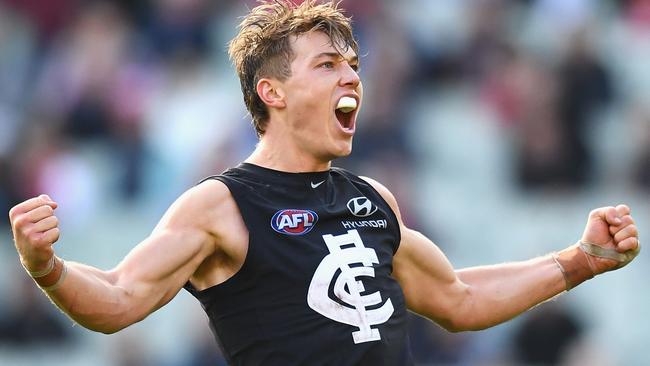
(345,111)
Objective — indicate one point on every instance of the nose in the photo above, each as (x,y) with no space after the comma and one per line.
(349,77)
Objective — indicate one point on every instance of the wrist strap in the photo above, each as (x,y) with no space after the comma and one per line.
(57,284)
(43,272)
(575,266)
(52,280)
(597,251)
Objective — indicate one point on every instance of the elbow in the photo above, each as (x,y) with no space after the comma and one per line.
(459,324)
(104,327)
(105,330)
(452,328)
(111,319)
(458,314)
(453,325)
(463,320)
(109,330)
(449,319)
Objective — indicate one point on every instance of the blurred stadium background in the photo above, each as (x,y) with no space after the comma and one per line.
(498,124)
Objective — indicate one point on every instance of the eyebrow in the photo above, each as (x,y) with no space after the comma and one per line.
(354,59)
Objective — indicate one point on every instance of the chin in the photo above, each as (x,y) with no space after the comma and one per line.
(335,149)
(337,153)
(343,151)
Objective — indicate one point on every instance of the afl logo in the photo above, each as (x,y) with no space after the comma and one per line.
(361,207)
(294,221)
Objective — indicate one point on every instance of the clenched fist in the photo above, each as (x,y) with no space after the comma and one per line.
(36,229)
(610,241)
(613,229)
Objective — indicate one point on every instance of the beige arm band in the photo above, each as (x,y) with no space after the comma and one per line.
(575,264)
(51,277)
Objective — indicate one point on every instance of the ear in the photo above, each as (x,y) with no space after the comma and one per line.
(271,93)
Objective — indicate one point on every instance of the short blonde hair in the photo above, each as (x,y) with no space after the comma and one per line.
(262,47)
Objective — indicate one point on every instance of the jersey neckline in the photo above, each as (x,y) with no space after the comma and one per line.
(277,175)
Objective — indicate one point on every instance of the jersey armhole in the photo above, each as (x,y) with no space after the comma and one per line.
(228,282)
(391,212)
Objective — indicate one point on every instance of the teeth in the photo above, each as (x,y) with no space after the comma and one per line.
(347,104)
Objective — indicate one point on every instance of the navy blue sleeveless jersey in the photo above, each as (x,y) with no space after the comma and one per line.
(316,285)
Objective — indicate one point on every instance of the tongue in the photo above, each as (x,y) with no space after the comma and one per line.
(346,104)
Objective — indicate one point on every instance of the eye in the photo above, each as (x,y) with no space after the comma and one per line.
(327,65)
(355,67)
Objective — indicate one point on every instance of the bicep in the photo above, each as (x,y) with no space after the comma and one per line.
(157,268)
(430,284)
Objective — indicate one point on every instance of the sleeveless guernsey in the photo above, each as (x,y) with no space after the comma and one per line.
(316,285)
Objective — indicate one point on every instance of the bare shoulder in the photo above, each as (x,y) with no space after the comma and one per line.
(196,205)
(208,207)
(211,194)
(214,206)
(218,213)
(386,194)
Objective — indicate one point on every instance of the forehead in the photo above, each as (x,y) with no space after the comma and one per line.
(312,44)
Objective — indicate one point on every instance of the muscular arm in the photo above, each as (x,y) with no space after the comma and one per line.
(148,277)
(473,298)
(480,297)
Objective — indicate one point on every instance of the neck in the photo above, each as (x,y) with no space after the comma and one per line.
(283,156)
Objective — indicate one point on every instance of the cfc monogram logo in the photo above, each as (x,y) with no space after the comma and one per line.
(345,250)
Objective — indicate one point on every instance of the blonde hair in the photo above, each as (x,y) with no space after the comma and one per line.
(262,48)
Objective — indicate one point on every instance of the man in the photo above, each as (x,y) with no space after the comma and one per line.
(296,262)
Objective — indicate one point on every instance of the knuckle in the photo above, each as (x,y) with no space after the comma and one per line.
(20,222)
(33,236)
(44,210)
(51,237)
(27,231)
(42,239)
(41,242)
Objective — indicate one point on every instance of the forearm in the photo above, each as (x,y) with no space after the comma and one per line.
(91,298)
(498,293)
(148,277)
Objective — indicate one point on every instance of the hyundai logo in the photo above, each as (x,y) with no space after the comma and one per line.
(361,207)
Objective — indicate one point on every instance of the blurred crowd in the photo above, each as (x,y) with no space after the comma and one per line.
(118,106)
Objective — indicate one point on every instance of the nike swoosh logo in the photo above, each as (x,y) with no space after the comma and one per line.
(317,184)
